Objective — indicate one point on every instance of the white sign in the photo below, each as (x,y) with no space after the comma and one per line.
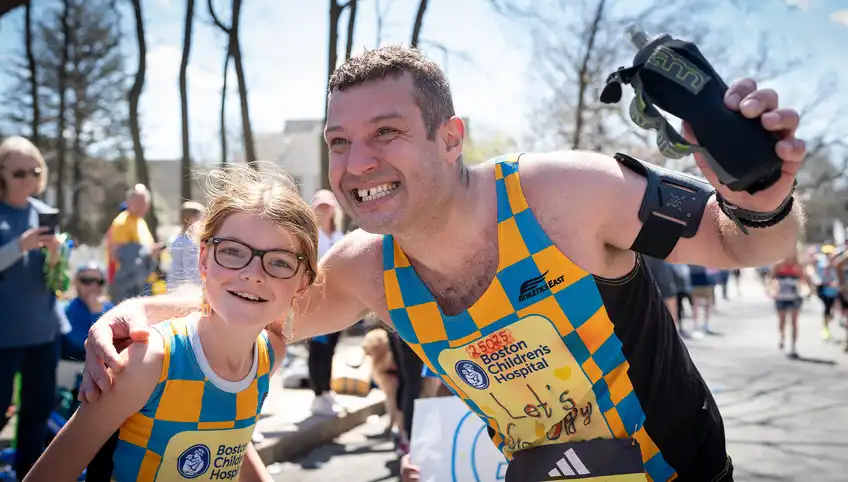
(451,444)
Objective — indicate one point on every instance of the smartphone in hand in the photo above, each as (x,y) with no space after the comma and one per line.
(49,220)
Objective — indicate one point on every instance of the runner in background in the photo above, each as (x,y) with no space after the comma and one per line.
(787,278)
(723,278)
(840,263)
(822,275)
(703,298)
(683,284)
(664,278)
(737,280)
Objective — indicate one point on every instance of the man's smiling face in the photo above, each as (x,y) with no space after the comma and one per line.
(383,169)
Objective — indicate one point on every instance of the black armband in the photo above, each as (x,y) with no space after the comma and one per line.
(672,208)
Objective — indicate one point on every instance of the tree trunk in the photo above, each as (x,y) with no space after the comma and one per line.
(33,79)
(228,32)
(351,23)
(76,227)
(235,49)
(332,55)
(185,164)
(582,80)
(135,130)
(61,148)
(224,111)
(419,20)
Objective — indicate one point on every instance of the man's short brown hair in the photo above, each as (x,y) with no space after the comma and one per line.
(432,92)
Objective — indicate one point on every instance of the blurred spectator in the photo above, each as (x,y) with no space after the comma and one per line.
(133,248)
(29,325)
(111,264)
(703,296)
(84,310)
(184,251)
(322,348)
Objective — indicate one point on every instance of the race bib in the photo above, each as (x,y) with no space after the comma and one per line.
(592,460)
(525,378)
(205,455)
(787,288)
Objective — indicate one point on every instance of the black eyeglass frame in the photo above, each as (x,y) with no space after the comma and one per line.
(258,253)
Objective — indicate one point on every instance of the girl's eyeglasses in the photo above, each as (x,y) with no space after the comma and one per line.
(278,263)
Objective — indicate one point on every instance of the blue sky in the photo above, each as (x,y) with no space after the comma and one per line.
(284,47)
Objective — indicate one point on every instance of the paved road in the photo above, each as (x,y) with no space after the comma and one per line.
(361,455)
(786,420)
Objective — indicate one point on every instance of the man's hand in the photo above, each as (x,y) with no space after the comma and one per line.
(115,330)
(744,97)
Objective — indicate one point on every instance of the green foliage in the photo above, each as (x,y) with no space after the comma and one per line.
(476,151)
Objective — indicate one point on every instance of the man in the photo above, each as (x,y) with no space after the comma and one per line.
(132,247)
(528,303)
(111,264)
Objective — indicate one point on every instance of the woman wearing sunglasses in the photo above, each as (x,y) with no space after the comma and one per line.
(29,324)
(85,309)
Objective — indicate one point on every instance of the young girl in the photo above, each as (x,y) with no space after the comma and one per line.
(187,401)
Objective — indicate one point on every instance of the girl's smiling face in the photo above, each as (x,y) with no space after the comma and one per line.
(256,293)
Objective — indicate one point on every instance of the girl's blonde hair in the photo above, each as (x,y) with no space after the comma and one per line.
(267,193)
(21,145)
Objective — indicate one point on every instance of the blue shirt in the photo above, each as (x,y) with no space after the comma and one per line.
(27,317)
(699,276)
(81,319)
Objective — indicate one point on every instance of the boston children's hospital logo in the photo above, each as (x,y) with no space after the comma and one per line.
(194,461)
(472,374)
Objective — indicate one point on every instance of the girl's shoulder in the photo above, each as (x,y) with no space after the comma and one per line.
(276,344)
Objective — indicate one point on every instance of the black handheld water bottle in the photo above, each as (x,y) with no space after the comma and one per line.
(673,75)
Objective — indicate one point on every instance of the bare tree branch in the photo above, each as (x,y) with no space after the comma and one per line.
(419,22)
(381,11)
(351,23)
(215,19)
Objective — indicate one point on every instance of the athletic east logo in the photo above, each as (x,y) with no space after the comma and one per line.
(194,462)
(537,285)
(472,374)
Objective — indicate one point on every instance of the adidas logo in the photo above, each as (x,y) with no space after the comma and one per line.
(570,464)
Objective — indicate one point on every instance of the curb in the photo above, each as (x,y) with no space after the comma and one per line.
(306,435)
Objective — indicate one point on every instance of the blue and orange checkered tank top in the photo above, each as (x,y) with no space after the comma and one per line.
(195,425)
(536,356)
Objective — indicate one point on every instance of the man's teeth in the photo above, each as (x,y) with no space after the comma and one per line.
(247,296)
(376,192)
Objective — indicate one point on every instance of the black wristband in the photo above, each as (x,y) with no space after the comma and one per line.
(750,219)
